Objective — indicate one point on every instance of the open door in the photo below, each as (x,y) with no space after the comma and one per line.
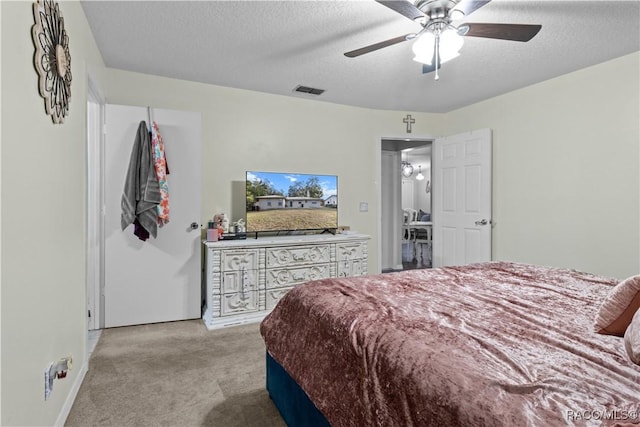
(391,212)
(462,198)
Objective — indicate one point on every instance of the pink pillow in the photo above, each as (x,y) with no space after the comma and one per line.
(618,308)
(632,339)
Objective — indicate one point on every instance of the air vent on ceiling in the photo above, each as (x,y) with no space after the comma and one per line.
(310,90)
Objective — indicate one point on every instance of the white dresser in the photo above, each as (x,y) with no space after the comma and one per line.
(245,279)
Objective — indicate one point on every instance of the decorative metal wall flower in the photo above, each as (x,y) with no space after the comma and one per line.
(52,59)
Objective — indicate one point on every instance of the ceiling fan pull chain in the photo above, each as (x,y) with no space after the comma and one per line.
(437,58)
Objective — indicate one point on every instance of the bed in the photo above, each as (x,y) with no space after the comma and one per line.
(491,344)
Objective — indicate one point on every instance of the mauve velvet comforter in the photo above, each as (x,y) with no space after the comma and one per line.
(492,344)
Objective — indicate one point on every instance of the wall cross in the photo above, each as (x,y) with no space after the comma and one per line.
(409,121)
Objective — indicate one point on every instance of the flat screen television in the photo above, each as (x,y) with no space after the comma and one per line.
(278,201)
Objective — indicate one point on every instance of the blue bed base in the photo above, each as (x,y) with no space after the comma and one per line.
(294,405)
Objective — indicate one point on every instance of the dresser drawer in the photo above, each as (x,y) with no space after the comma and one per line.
(298,255)
(234,260)
(239,302)
(351,268)
(238,281)
(279,277)
(349,251)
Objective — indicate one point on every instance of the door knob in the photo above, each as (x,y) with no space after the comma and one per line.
(195,225)
(482,222)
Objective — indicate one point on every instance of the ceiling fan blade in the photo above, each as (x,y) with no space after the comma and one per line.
(376,46)
(469,6)
(404,8)
(515,32)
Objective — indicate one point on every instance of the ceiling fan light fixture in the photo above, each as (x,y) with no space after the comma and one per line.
(456,14)
(450,44)
(424,47)
(463,29)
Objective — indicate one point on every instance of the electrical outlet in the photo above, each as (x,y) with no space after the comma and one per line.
(57,370)
(48,382)
(69,361)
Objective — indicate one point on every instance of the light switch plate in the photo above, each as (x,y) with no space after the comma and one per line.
(364,207)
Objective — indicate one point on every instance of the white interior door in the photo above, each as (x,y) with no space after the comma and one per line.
(156,280)
(462,199)
(391,214)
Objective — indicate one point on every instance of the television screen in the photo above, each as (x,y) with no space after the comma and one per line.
(291,201)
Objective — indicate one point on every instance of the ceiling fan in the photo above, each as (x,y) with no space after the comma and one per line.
(440,39)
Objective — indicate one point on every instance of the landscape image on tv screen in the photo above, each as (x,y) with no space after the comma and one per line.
(279,201)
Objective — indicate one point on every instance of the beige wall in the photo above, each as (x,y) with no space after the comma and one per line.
(245,130)
(566,180)
(43,220)
(566,173)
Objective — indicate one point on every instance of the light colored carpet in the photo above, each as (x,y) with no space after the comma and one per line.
(176,374)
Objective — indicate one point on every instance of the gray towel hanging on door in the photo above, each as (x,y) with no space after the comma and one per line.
(141,194)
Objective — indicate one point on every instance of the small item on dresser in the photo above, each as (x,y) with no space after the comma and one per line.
(225,223)
(219,224)
(343,229)
(220,220)
(234,236)
(212,235)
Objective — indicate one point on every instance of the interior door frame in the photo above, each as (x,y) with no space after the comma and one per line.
(95,205)
(378,161)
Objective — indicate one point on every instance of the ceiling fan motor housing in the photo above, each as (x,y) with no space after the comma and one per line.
(437,9)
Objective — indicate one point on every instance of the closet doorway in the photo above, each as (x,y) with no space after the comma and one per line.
(405,185)
(131,281)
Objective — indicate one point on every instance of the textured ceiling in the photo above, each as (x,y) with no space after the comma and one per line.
(273,46)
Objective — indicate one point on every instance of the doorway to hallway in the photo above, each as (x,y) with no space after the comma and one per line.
(405,185)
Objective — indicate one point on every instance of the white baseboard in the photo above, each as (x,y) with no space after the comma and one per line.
(75,388)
